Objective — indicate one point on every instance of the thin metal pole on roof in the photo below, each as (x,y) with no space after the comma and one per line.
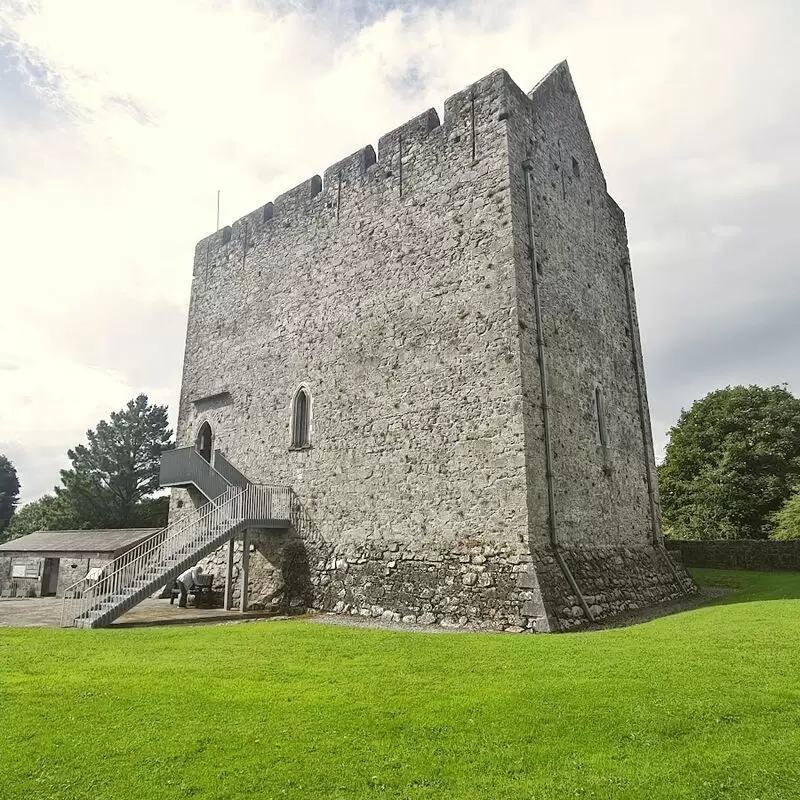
(217,209)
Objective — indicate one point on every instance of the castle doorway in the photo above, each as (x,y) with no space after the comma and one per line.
(205,441)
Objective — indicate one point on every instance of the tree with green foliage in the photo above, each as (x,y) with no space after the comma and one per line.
(42,514)
(732,461)
(787,520)
(9,492)
(114,475)
(51,512)
(152,512)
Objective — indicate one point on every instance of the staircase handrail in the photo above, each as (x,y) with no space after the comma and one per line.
(182,465)
(129,564)
(188,519)
(174,545)
(228,471)
(71,594)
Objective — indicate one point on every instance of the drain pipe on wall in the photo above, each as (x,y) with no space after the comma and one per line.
(527,167)
(657,540)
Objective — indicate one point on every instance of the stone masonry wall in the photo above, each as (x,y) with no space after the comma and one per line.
(22,585)
(388,291)
(479,586)
(606,525)
(398,291)
(69,571)
(757,554)
(582,255)
(613,580)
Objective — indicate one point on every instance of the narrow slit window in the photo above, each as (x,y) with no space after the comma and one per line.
(301,419)
(601,416)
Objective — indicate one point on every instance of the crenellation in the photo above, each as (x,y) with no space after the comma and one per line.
(243,228)
(207,248)
(421,139)
(298,200)
(350,169)
(509,99)
(247,227)
(406,136)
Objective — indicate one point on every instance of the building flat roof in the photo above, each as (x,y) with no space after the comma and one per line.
(76,544)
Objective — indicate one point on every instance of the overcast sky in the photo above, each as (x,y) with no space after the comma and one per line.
(120,119)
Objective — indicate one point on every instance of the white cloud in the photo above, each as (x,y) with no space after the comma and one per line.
(154,106)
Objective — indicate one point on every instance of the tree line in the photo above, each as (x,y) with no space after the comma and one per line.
(110,484)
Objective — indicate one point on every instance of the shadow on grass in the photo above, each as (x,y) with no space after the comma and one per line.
(748,587)
(717,587)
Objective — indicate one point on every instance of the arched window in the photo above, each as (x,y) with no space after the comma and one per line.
(205,441)
(301,419)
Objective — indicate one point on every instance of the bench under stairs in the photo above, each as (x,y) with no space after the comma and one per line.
(233,505)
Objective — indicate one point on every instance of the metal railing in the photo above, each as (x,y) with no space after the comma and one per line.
(70,601)
(228,471)
(266,504)
(138,572)
(185,465)
(153,552)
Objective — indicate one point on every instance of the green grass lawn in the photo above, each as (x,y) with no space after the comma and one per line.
(701,705)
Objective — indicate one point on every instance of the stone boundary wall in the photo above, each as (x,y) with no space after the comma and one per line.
(756,554)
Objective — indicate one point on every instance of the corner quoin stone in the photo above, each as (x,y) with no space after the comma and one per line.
(474,460)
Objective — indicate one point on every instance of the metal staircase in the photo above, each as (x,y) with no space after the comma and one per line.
(234,505)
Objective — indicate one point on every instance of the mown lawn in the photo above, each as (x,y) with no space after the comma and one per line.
(701,705)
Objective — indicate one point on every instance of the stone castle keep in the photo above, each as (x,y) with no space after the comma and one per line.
(436,347)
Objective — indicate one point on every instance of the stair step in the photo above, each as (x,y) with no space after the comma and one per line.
(156,569)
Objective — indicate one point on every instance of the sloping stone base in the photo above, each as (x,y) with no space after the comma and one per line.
(612,581)
(473,586)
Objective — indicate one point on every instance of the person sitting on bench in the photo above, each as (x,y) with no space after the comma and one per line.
(185,581)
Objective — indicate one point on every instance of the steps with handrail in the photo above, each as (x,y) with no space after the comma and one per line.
(137,573)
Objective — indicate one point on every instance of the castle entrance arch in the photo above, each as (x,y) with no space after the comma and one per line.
(205,441)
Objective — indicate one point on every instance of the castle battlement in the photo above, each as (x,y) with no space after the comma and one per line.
(434,342)
(423,138)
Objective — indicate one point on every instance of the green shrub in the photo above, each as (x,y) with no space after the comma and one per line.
(787,520)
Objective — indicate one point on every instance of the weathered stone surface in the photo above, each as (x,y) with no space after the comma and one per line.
(400,294)
(70,570)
